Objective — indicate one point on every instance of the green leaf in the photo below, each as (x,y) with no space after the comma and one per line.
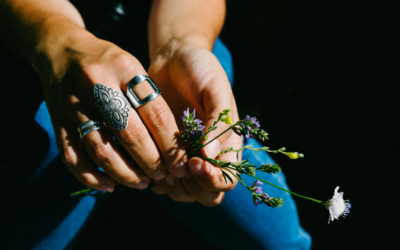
(227,176)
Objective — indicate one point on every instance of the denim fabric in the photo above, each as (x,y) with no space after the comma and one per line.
(39,213)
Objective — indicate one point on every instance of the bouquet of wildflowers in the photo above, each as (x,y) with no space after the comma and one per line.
(193,135)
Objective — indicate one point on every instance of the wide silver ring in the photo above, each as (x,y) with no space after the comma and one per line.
(132,97)
(89,126)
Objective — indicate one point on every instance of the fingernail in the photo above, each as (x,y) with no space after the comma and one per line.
(196,166)
(178,169)
(158,175)
(142,184)
(107,187)
(170,180)
(212,150)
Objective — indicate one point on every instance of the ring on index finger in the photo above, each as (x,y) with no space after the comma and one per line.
(133,97)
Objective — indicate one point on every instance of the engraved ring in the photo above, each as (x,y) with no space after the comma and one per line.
(89,126)
(133,97)
(112,105)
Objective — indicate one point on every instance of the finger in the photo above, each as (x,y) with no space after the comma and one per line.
(215,105)
(210,177)
(102,149)
(205,197)
(139,144)
(176,190)
(157,187)
(71,152)
(128,128)
(160,121)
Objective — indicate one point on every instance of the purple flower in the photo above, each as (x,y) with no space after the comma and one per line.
(191,126)
(256,201)
(257,183)
(194,113)
(258,190)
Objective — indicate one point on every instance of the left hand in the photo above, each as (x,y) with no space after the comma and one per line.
(191,76)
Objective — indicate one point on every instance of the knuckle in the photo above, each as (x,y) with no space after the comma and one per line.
(134,134)
(91,69)
(129,180)
(161,116)
(122,60)
(85,179)
(68,157)
(101,152)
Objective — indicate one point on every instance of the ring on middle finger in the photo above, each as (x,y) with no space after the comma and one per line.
(112,105)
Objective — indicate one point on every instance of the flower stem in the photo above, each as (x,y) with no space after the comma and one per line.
(82,192)
(298,195)
(301,196)
(218,136)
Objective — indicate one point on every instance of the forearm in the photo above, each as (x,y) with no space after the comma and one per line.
(31,26)
(198,22)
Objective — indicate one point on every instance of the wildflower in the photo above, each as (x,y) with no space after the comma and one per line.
(227,120)
(293,155)
(272,201)
(257,183)
(192,127)
(249,127)
(337,206)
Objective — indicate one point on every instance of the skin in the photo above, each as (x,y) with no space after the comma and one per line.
(50,35)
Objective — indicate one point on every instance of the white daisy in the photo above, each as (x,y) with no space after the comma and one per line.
(337,206)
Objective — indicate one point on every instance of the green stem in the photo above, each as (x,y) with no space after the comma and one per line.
(301,196)
(82,192)
(218,136)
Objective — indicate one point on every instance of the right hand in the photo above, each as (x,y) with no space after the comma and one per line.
(69,71)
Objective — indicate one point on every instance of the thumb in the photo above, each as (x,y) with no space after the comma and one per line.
(215,141)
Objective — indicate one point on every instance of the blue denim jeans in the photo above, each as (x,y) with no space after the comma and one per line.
(39,213)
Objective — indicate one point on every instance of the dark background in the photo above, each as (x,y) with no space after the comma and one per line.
(321,77)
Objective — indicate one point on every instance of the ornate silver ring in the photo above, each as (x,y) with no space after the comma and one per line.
(89,126)
(134,100)
(112,105)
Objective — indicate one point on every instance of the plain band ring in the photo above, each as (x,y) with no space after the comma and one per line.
(132,97)
(89,126)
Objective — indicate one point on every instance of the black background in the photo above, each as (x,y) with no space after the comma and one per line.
(321,76)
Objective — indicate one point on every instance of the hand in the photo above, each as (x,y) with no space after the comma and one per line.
(190,76)
(72,67)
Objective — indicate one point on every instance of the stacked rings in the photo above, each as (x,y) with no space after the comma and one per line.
(89,126)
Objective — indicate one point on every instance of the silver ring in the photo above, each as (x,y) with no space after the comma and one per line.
(112,105)
(134,100)
(89,126)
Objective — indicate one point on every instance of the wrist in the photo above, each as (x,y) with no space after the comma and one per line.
(169,47)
